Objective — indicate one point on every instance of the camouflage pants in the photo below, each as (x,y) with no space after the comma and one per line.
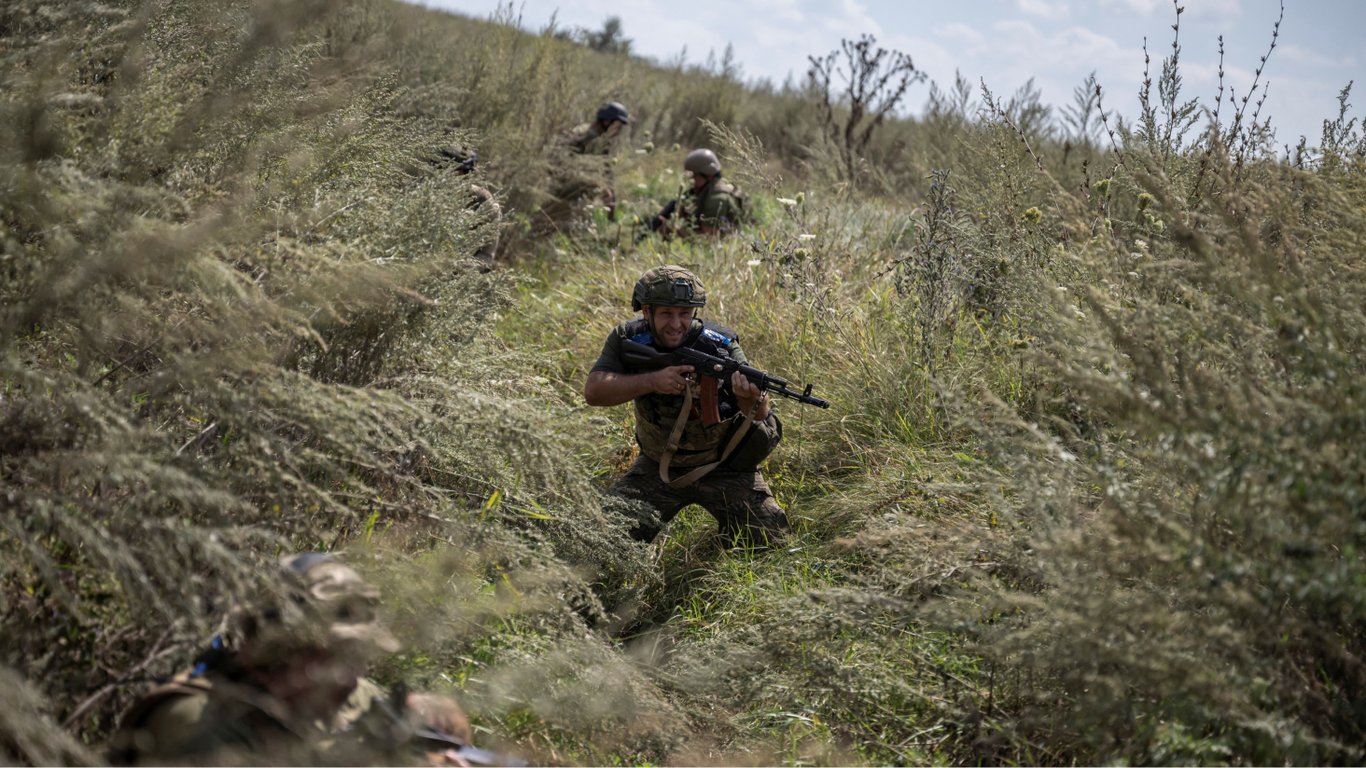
(741,502)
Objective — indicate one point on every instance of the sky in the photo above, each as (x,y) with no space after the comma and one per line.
(1005,43)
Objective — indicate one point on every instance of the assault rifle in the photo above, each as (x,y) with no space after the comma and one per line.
(713,370)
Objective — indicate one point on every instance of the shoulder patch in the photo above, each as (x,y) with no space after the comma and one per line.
(716,336)
(643,337)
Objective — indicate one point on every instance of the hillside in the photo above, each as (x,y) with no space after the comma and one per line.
(1092,488)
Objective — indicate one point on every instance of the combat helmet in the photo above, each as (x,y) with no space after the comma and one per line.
(702,161)
(668,286)
(613,111)
(324,604)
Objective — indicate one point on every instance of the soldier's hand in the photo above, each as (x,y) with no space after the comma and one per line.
(746,395)
(673,380)
(441,713)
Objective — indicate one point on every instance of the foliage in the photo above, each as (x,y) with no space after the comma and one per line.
(875,81)
(1090,491)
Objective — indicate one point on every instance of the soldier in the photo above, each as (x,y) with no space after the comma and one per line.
(712,206)
(463,160)
(598,137)
(582,165)
(722,472)
(283,685)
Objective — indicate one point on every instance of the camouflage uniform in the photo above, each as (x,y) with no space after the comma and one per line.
(738,497)
(463,160)
(482,200)
(719,204)
(219,717)
(582,173)
(223,712)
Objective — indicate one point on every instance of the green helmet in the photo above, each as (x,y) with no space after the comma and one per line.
(702,161)
(668,286)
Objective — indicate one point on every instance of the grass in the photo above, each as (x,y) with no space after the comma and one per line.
(1089,491)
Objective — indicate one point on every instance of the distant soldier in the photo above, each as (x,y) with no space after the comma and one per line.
(712,206)
(581,165)
(283,685)
(597,137)
(463,161)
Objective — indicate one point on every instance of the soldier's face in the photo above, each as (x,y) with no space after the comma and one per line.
(698,181)
(314,684)
(613,129)
(670,324)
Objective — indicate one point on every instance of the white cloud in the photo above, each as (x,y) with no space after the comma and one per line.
(1144,7)
(1200,10)
(777,11)
(1301,55)
(959,34)
(1054,11)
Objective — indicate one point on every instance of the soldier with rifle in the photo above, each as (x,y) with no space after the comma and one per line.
(704,422)
(710,206)
(283,684)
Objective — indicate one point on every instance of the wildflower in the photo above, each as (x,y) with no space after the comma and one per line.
(806,236)
(801,253)
(1033,215)
(789,202)
(649,146)
(753,263)
(1144,200)
(801,198)
(1103,186)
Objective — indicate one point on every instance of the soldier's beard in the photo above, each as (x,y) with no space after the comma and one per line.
(665,339)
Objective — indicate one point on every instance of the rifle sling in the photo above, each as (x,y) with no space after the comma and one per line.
(698,473)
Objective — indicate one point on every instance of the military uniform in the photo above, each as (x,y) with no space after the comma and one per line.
(736,495)
(582,173)
(463,160)
(285,688)
(483,200)
(718,205)
(218,718)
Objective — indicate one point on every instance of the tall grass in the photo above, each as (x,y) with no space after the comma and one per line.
(1090,491)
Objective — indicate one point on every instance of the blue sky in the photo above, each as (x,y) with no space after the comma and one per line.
(1006,42)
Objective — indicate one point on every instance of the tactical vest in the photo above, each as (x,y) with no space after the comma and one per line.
(718,193)
(656,413)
